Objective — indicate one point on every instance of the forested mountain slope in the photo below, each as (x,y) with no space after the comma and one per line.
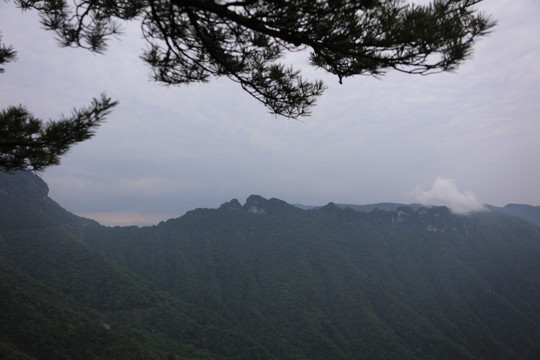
(527,212)
(60,299)
(267,280)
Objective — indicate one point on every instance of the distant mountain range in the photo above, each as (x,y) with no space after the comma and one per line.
(267,280)
(527,212)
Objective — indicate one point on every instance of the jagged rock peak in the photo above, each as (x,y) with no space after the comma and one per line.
(233,204)
(331,207)
(254,200)
(256,204)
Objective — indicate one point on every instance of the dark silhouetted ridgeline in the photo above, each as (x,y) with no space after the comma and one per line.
(266,280)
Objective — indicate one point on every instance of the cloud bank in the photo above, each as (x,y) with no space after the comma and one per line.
(445,192)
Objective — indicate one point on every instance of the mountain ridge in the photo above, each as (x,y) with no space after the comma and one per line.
(30,185)
(267,280)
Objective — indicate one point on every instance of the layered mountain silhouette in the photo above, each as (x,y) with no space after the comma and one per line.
(266,280)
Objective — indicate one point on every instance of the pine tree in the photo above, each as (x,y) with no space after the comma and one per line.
(28,143)
(245,40)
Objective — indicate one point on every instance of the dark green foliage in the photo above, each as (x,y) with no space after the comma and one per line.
(42,256)
(195,40)
(39,323)
(28,143)
(333,283)
(267,280)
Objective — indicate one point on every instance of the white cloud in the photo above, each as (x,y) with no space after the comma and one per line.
(445,192)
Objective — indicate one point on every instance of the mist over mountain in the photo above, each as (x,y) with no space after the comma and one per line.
(267,280)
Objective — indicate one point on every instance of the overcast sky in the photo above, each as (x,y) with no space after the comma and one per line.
(472,135)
